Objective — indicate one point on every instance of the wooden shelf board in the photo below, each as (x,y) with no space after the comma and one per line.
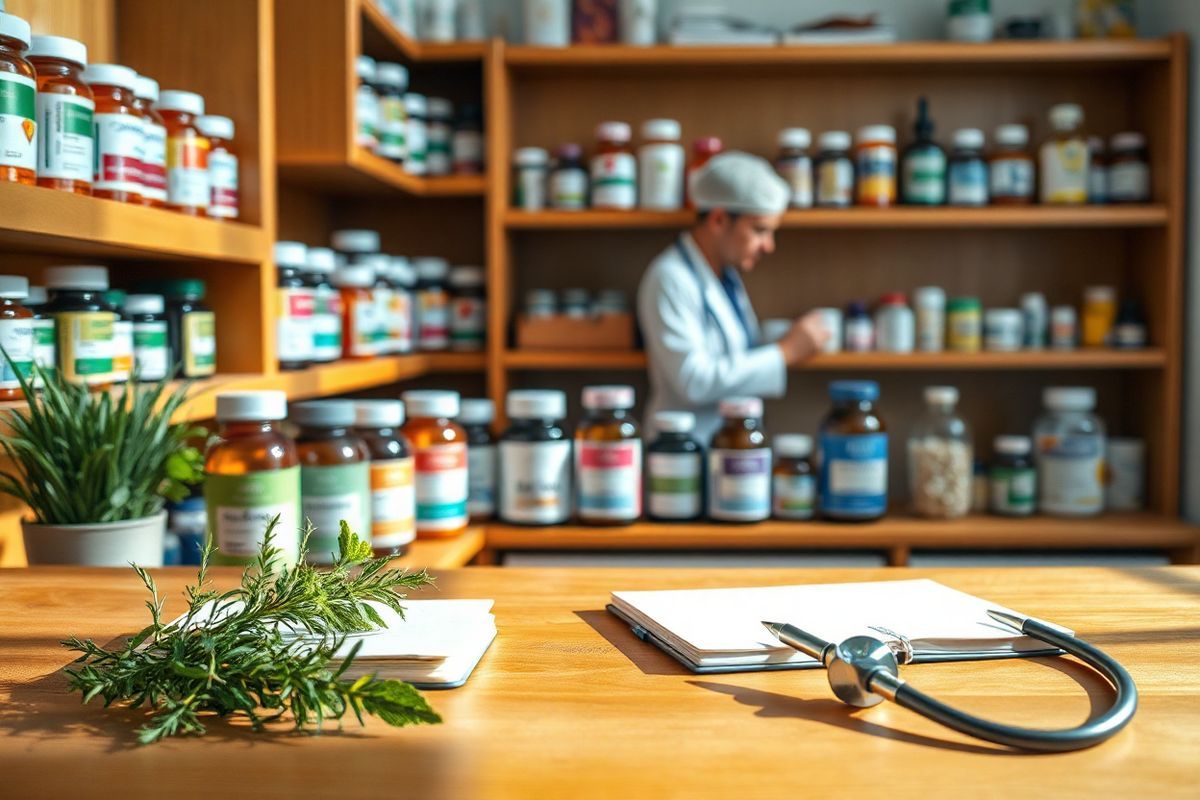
(364,172)
(41,220)
(435,554)
(380,34)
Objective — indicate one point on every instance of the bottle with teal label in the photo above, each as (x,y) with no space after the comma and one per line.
(335,475)
(923,165)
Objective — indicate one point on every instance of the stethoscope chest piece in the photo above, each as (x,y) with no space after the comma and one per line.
(853,664)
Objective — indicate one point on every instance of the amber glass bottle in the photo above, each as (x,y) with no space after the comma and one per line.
(794,482)
(154,149)
(739,464)
(440,451)
(16,336)
(65,136)
(335,475)
(120,133)
(608,458)
(187,153)
(393,508)
(18,85)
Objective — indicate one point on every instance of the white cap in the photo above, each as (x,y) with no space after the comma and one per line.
(364,67)
(380,263)
(215,126)
(147,88)
(1013,445)
(834,140)
(378,413)
(354,277)
(1126,140)
(355,240)
(1065,116)
(251,406)
(969,138)
(741,183)
(614,132)
(941,395)
(737,407)
(660,129)
(1033,299)
(14,27)
(415,104)
(110,75)
(431,268)
(998,316)
(291,254)
(793,445)
(476,411)
(1015,135)
(675,421)
(144,304)
(431,403)
(440,107)
(608,397)
(392,74)
(531,157)
(536,404)
(1099,294)
(37,296)
(14,287)
(466,276)
(1069,398)
(876,133)
(321,259)
(927,296)
(177,100)
(795,137)
(402,272)
(324,413)
(93,278)
(58,47)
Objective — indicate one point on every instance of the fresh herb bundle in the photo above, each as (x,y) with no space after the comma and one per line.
(229,654)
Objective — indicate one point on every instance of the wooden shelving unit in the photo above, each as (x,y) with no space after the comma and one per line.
(439,554)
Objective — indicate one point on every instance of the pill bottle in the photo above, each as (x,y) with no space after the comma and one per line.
(441,115)
(1063,328)
(739,464)
(327,305)
(853,454)
(608,457)
(154,145)
(1070,442)
(1012,477)
(358,308)
(530,166)
(940,458)
(468,309)
(440,449)
(895,326)
(1125,468)
(223,202)
(834,171)
(383,293)
(84,324)
(1099,315)
(661,166)
(16,336)
(875,165)
(335,475)
(294,305)
(122,336)
(930,305)
(568,187)
(192,325)
(18,80)
(964,325)
(967,183)
(366,104)
(614,168)
(923,164)
(188,151)
(391,84)
(1128,168)
(1034,320)
(675,469)
(859,330)
(393,502)
(119,133)
(795,166)
(1010,167)
(355,243)
(476,416)
(467,143)
(404,300)
(252,476)
(45,348)
(703,149)
(64,115)
(535,459)
(416,157)
(433,304)
(1064,158)
(793,478)
(1003,330)
(151,347)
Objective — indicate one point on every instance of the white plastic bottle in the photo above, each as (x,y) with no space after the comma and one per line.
(1070,444)
(660,166)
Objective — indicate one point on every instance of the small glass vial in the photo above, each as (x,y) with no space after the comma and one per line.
(940,459)
(967,182)
(151,349)
(154,148)
(45,348)
(251,476)
(416,159)
(467,145)
(433,304)
(661,166)
(608,458)
(1070,453)
(440,449)
(535,459)
(853,454)
(65,108)
(895,325)
(16,336)
(614,168)
(1128,169)
(366,104)
(193,327)
(858,329)
(1064,158)
(327,305)
(529,178)
(122,336)
(119,132)
(795,166)
(188,151)
(1010,168)
(468,309)
(18,157)
(739,464)
(222,166)
(834,170)
(358,307)
(84,324)
(675,469)
(335,475)
(1012,477)
(294,304)
(393,503)
(794,479)
(875,165)
(923,164)
(569,179)
(441,114)
(476,417)
(391,84)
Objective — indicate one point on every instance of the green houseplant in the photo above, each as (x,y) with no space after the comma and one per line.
(95,469)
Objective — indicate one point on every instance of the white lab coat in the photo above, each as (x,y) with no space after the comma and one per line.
(697,350)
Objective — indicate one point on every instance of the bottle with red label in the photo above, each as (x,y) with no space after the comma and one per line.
(120,133)
(440,452)
(295,303)
(608,458)
(154,151)
(222,166)
(187,153)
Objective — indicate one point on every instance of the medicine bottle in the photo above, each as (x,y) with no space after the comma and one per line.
(437,154)
(614,169)
(119,133)
(18,80)
(940,459)
(295,302)
(151,350)
(468,309)
(354,243)
(466,145)
(252,476)
(535,459)
(739,464)
(188,190)
(1128,169)
(391,84)
(366,104)
(530,166)
(440,448)
(1070,442)
(853,454)
(661,166)
(1099,315)
(1012,477)
(875,165)
(1010,168)
(154,145)
(416,157)
(327,306)
(1003,329)
(1064,158)
(895,325)
(393,502)
(923,164)
(223,201)
(858,329)
(1097,171)
(122,336)
(793,478)
(795,166)
(1129,328)
(930,306)
(64,115)
(433,304)
(45,348)
(358,308)
(476,416)
(834,170)
(192,325)
(1063,328)
(335,475)
(1034,320)
(608,457)
(703,149)
(83,324)
(968,172)
(382,295)
(404,300)
(964,325)
(675,469)
(16,336)
(568,187)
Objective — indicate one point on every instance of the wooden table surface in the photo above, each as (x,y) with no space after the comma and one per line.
(569,704)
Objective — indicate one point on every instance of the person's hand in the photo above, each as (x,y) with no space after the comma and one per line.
(804,339)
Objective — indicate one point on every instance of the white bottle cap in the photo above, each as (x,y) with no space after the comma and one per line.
(391,74)
(834,140)
(251,406)
(604,398)
(431,403)
(364,67)
(1127,140)
(58,47)
(1031,299)
(324,414)
(14,287)
(476,411)
(291,254)
(355,277)
(619,132)
(321,259)
(144,304)
(38,296)
(403,273)
(466,277)
(440,108)
(531,157)
(876,133)
(1013,445)
(536,404)
(675,421)
(1065,116)
(110,75)
(356,240)
(146,89)
(662,129)
(177,100)
(378,413)
(1100,294)
(929,296)
(14,27)
(1069,398)
(969,138)
(741,407)
(795,137)
(941,395)
(1012,135)
(215,126)
(92,278)
(415,104)
(431,268)
(793,445)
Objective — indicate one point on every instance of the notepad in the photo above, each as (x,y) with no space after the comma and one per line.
(720,630)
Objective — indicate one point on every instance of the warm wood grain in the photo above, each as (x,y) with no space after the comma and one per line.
(379,35)
(439,554)
(89,21)
(364,173)
(568,703)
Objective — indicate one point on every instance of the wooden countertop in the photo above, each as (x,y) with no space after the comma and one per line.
(569,704)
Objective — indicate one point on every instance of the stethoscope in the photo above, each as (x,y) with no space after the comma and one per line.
(863,672)
(708,310)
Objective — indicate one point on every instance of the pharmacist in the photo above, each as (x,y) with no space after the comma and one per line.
(702,337)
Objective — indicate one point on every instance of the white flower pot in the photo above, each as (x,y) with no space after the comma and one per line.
(103,544)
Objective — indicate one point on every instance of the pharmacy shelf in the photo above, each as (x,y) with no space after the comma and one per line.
(1063,217)
(574,359)
(40,220)
(364,173)
(379,35)
(434,554)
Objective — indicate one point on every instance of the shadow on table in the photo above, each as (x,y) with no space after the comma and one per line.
(644,655)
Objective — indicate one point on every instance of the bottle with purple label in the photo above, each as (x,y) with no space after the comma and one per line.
(739,464)
(853,454)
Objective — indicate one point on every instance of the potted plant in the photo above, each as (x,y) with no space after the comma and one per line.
(95,469)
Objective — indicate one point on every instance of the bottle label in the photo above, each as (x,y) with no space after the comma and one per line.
(223,185)
(660,182)
(467,323)
(85,346)
(154,161)
(535,482)
(241,506)
(329,495)
(327,325)
(794,496)
(877,175)
(199,344)
(400,321)
(45,348)
(468,152)
(798,174)
(673,485)
(433,326)
(294,315)
(16,337)
(1013,490)
(18,121)
(1129,182)
(384,326)
(65,141)
(568,189)
(393,503)
(931,329)
(529,189)
(925,177)
(150,354)
(1065,172)
(1012,178)
(859,335)
(1072,473)
(964,331)
(441,486)
(969,183)
(362,327)
(120,146)
(614,181)
(610,479)
(437,152)
(418,147)
(481,472)
(392,118)
(835,183)
(739,484)
(187,170)
(122,349)
(854,474)
(366,117)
